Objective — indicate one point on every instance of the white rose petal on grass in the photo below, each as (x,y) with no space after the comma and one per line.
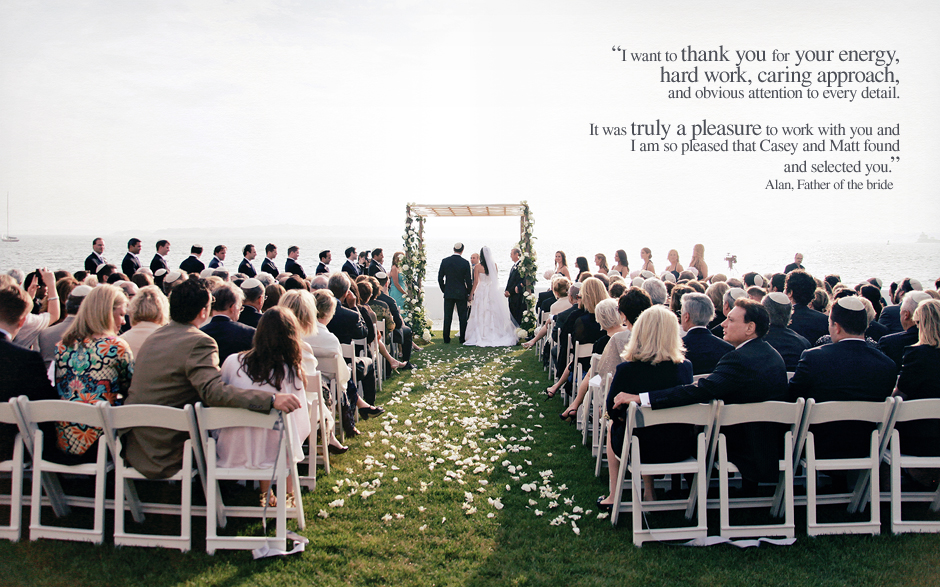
(387,518)
(421,508)
(338,503)
(539,512)
(324,514)
(423,528)
(575,529)
(602,515)
(366,494)
(491,515)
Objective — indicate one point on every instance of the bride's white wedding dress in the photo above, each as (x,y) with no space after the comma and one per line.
(490,323)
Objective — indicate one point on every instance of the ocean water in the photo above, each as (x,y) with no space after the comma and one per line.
(854,262)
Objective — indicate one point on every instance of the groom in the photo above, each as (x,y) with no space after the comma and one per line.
(515,288)
(456,281)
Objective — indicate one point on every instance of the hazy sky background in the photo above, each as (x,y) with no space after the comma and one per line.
(147,115)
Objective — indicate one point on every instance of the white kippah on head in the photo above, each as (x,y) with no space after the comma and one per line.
(613,272)
(206,273)
(779,297)
(758,281)
(80,291)
(173,276)
(693,270)
(915,284)
(638,281)
(736,292)
(646,274)
(667,276)
(851,303)
(160,272)
(250,283)
(548,274)
(458,246)
(381,275)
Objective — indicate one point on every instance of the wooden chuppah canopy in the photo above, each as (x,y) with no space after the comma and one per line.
(415,263)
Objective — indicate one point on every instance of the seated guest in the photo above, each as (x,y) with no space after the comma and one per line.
(149,310)
(876,330)
(702,348)
(274,365)
(248,255)
(893,345)
(756,293)
(560,286)
(821,302)
(920,379)
(584,329)
(731,295)
(272,295)
(617,317)
(231,336)
(716,293)
(656,289)
(753,372)
(846,370)
(192,264)
(304,307)
(561,330)
(179,365)
(785,341)
(92,364)
(801,288)
(73,294)
(653,359)
(28,335)
(23,370)
(778,282)
(254,301)
(675,298)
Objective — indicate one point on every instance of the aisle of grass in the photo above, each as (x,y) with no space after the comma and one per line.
(471,478)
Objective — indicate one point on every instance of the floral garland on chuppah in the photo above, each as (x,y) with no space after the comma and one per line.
(414,268)
(528,271)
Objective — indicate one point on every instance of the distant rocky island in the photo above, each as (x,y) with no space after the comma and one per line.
(923,238)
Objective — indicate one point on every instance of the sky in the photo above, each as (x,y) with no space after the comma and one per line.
(121,116)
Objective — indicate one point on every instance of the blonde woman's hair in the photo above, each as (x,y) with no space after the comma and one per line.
(927,318)
(326,304)
(304,306)
(655,338)
(592,292)
(95,315)
(149,305)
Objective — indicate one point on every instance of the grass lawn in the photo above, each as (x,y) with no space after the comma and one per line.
(433,493)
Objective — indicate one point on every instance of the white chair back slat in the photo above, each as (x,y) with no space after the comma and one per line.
(15,466)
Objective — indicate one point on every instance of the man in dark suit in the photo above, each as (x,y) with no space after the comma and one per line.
(159,259)
(231,336)
(218,257)
(96,257)
(179,365)
(753,372)
(702,348)
(893,345)
(796,264)
(375,267)
(131,263)
(351,267)
(788,343)
(346,324)
(805,321)
(192,264)
(456,281)
(845,370)
(22,371)
(402,333)
(291,265)
(248,255)
(268,266)
(323,267)
(254,301)
(516,288)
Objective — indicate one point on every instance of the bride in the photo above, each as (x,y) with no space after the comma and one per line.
(490,323)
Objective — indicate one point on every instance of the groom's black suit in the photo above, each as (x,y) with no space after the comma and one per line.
(516,288)
(456,281)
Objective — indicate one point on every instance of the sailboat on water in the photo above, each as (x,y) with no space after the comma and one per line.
(6,237)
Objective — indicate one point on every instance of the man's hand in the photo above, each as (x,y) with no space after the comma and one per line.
(622,399)
(285,402)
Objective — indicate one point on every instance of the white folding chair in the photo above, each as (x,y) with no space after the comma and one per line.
(910,411)
(697,415)
(770,412)
(14,468)
(118,418)
(318,453)
(545,319)
(598,407)
(219,418)
(878,413)
(585,415)
(380,372)
(327,365)
(581,351)
(54,410)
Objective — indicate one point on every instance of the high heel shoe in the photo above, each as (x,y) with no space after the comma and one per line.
(366,413)
(550,393)
(569,417)
(604,507)
(336,450)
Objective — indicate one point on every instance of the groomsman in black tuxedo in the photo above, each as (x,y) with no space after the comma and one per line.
(131,263)
(291,265)
(351,267)
(376,265)
(159,260)
(245,266)
(96,257)
(456,281)
(218,257)
(268,266)
(515,288)
(324,266)
(192,264)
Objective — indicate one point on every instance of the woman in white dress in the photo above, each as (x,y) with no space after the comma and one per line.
(275,364)
(490,323)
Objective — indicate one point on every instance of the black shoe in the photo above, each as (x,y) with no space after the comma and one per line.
(366,413)
(336,450)
(446,341)
(570,418)
(351,432)
(408,366)
(604,507)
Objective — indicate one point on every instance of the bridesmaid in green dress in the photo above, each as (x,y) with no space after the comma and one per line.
(397,289)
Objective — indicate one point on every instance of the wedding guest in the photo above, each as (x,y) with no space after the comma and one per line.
(274,365)
(584,329)
(91,364)
(622,266)
(230,335)
(272,295)
(656,289)
(805,321)
(28,335)
(702,348)
(149,310)
(74,294)
(675,299)
(560,287)
(785,341)
(698,262)
(894,345)
(920,379)
(254,301)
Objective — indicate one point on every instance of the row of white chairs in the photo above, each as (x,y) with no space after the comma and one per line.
(199,462)
(799,452)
